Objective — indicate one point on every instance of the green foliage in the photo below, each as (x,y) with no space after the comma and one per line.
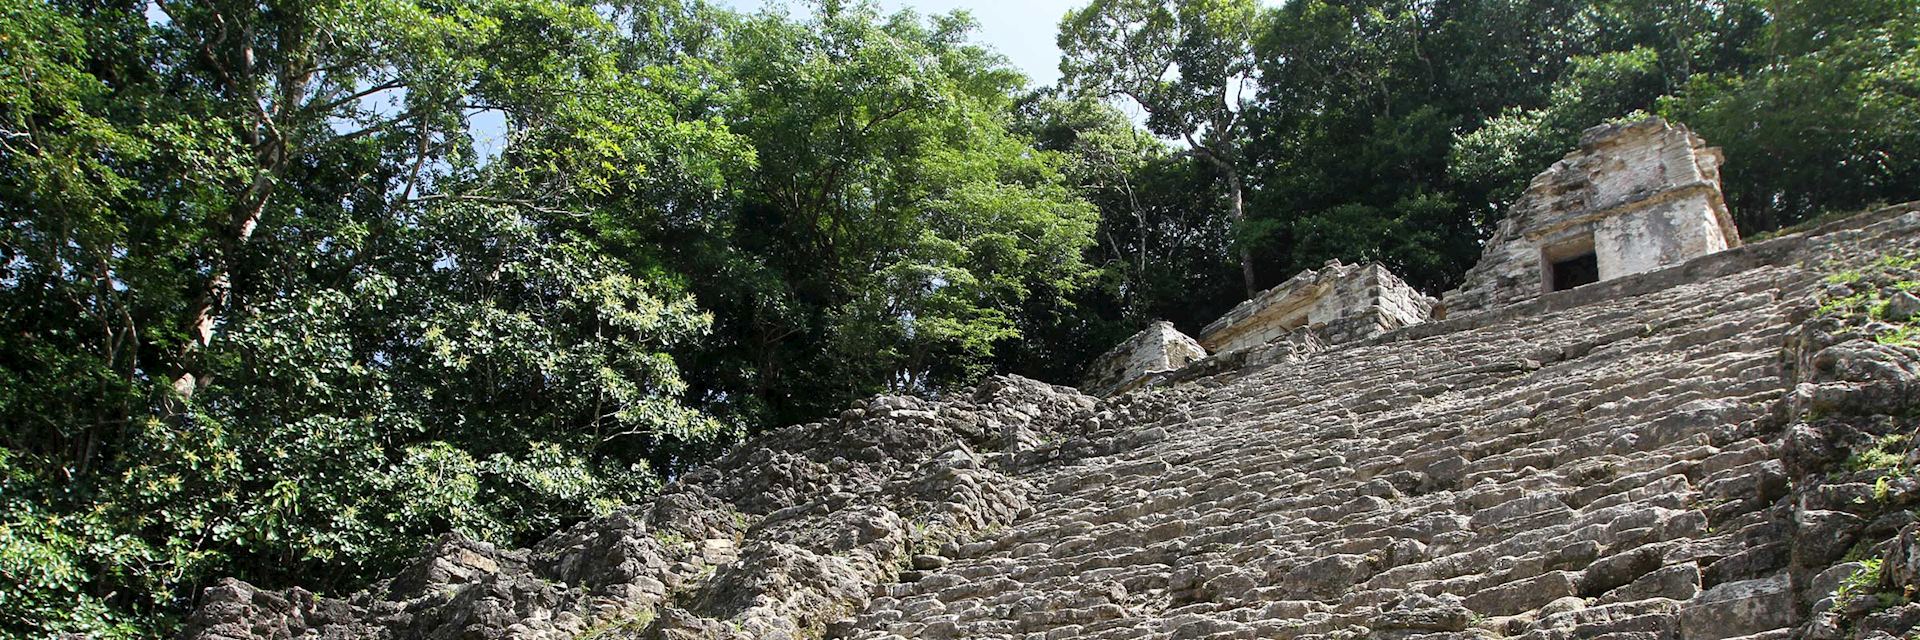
(1858,585)
(272,313)
(292,288)
(621,627)
(1509,149)
(1833,106)
(1399,132)
(1190,65)
(1161,252)
(1887,453)
(1904,334)
(1868,292)
(896,233)
(1864,304)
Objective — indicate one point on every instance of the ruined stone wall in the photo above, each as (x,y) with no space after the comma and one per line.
(1157,349)
(1638,196)
(1383,303)
(1339,302)
(1701,452)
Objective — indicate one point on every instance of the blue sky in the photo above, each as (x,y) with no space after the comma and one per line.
(1022,30)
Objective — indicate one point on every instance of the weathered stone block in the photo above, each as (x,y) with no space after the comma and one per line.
(1156,349)
(1740,608)
(1340,303)
(1635,197)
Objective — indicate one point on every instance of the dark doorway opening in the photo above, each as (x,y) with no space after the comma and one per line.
(1574,271)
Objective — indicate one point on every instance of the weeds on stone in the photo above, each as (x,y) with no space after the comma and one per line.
(635,623)
(1904,335)
(1859,584)
(1866,304)
(1887,453)
(673,540)
(1872,287)
(1899,262)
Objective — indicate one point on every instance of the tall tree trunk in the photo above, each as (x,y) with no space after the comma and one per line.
(212,298)
(270,154)
(1237,213)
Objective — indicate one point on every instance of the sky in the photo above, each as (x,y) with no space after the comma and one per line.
(1021,30)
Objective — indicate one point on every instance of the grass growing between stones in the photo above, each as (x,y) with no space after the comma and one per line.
(1860,584)
(633,624)
(1887,453)
(673,540)
(1871,298)
(1867,294)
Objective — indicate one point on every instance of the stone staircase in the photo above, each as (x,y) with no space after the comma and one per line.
(1614,469)
(1671,455)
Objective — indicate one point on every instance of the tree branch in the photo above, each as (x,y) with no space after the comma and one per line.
(527,204)
(356,96)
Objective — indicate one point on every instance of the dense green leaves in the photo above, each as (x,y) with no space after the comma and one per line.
(1833,106)
(291,288)
(1190,65)
(272,312)
(895,226)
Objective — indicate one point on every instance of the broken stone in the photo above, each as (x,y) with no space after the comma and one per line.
(1157,349)
(1636,197)
(1740,608)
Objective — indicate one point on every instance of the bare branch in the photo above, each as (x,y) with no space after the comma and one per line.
(355,97)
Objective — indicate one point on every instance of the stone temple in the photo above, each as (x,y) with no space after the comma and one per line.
(1337,303)
(1707,441)
(1156,350)
(1635,197)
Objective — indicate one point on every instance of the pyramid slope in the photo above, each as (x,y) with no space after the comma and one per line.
(1659,456)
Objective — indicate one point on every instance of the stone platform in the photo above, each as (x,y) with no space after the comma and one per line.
(1666,455)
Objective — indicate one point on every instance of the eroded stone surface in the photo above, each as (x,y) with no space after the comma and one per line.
(1636,196)
(1155,350)
(1335,304)
(1617,462)
(777,539)
(1672,455)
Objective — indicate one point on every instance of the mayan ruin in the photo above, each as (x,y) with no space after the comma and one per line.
(1635,197)
(1658,452)
(960,320)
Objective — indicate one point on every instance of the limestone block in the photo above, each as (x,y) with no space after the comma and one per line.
(1338,302)
(1740,608)
(1635,197)
(1156,349)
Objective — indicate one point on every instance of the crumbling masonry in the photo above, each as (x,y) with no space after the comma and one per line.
(1636,197)
(1696,446)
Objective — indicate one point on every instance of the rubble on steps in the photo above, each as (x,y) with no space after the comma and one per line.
(783,535)
(1720,449)
(1139,360)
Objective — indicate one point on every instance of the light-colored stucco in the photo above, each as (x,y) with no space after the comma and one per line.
(1156,349)
(1342,302)
(1640,195)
